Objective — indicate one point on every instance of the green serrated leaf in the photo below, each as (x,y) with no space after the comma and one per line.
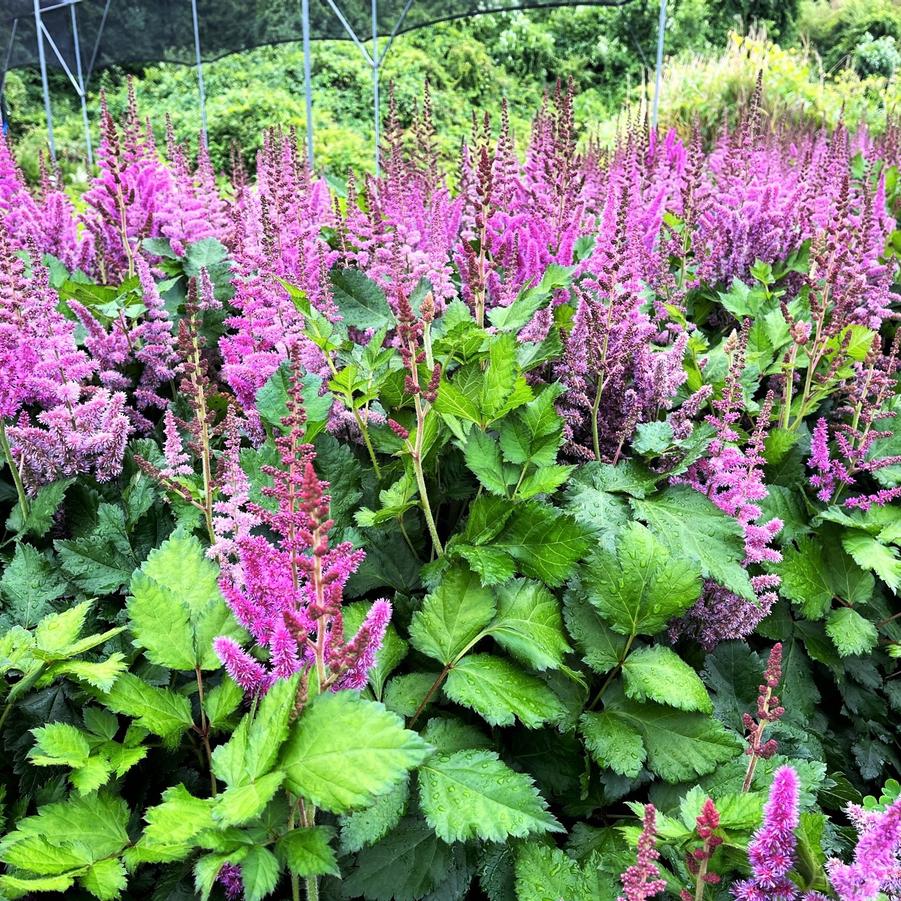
(259,873)
(501,693)
(360,300)
(689,524)
(158,710)
(343,752)
(529,624)
(644,585)
(871,554)
(545,542)
(240,804)
(851,633)
(367,826)
(308,852)
(105,879)
(452,616)
(59,744)
(601,647)
(805,578)
(474,794)
(483,457)
(659,674)
(680,746)
(176,608)
(406,865)
(613,742)
(29,584)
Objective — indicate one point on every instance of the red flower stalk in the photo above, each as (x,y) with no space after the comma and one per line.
(697,861)
(768,711)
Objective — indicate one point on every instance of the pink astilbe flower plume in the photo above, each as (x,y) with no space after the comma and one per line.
(876,866)
(698,860)
(642,879)
(769,710)
(64,423)
(288,593)
(772,849)
(732,477)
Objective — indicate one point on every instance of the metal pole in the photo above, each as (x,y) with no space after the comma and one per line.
(9,53)
(199,63)
(375,80)
(307,75)
(81,91)
(658,75)
(42,60)
(97,41)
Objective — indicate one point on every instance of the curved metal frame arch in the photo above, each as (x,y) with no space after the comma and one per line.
(374,59)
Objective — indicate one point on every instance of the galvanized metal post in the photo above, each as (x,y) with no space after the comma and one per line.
(307,75)
(199,63)
(375,82)
(81,88)
(42,60)
(658,75)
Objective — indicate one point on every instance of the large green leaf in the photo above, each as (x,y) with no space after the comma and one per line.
(601,647)
(102,561)
(483,457)
(360,300)
(176,608)
(529,624)
(871,554)
(156,709)
(659,674)
(367,826)
(474,794)
(67,835)
(452,616)
(851,633)
(805,578)
(613,742)
(308,852)
(406,865)
(29,584)
(172,826)
(501,692)
(545,542)
(689,524)
(343,752)
(680,746)
(644,585)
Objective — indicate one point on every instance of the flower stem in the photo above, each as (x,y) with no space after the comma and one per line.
(428,695)
(613,673)
(17,476)
(364,431)
(416,456)
(699,885)
(205,733)
(595,440)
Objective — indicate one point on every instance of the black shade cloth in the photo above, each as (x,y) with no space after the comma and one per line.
(132,31)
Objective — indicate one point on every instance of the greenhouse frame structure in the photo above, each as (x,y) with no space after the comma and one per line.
(60,39)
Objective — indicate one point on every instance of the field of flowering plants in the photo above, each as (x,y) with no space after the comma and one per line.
(530,532)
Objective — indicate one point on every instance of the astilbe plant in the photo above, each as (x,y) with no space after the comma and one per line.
(771,852)
(642,879)
(454,345)
(288,593)
(876,866)
(865,398)
(768,711)
(732,477)
(698,860)
(59,422)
